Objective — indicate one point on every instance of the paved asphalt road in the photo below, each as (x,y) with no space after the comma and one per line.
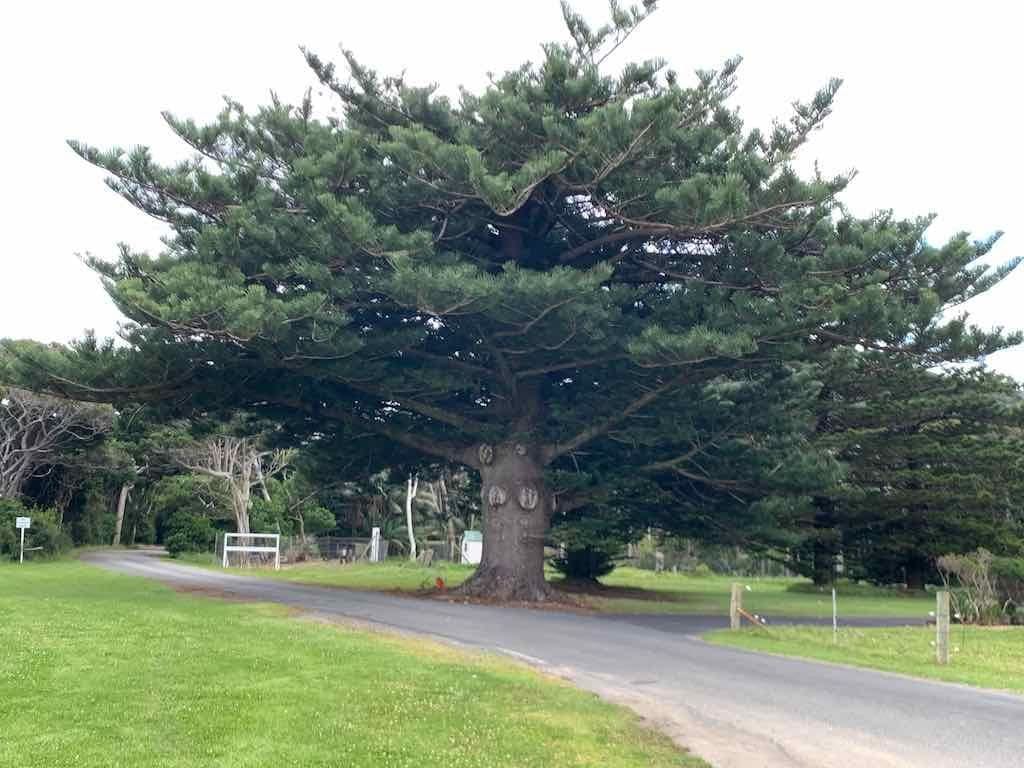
(736,709)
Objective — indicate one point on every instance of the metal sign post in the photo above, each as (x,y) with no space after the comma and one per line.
(21,523)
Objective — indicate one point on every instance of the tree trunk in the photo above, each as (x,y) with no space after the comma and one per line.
(916,571)
(411,487)
(517,511)
(823,567)
(240,500)
(825,547)
(261,480)
(122,501)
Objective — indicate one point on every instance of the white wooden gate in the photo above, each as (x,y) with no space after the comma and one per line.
(276,548)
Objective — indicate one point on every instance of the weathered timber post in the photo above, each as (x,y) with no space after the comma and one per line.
(942,626)
(735,606)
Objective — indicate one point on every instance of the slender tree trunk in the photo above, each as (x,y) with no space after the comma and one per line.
(67,491)
(262,481)
(825,547)
(517,512)
(823,566)
(240,500)
(122,501)
(411,487)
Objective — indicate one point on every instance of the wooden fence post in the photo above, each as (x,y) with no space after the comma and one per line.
(735,606)
(942,626)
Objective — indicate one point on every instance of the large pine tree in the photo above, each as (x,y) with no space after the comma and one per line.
(525,281)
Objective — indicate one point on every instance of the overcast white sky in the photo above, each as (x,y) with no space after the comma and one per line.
(930,114)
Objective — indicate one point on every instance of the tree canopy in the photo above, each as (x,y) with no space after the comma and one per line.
(540,281)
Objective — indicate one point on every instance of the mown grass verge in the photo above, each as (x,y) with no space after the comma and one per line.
(990,657)
(100,669)
(625,590)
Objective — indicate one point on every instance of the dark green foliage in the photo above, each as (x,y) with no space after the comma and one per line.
(45,531)
(590,541)
(91,520)
(934,465)
(587,563)
(185,532)
(181,498)
(185,504)
(292,509)
(1008,573)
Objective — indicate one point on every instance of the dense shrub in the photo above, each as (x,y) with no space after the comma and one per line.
(291,510)
(91,518)
(189,533)
(586,563)
(45,531)
(179,497)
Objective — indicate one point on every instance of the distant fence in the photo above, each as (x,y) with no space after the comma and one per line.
(693,559)
(351,549)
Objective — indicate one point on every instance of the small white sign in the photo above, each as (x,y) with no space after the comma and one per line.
(22,522)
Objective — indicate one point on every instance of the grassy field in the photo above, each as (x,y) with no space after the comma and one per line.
(100,669)
(992,657)
(628,590)
(767,597)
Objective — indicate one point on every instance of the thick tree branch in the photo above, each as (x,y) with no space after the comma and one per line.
(461,454)
(456,420)
(552,452)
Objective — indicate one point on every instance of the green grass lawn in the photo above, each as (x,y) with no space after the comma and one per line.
(100,669)
(992,657)
(630,590)
(769,597)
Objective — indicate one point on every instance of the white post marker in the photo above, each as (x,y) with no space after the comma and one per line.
(835,618)
(375,545)
(21,523)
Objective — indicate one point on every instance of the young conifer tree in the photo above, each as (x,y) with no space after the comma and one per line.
(513,281)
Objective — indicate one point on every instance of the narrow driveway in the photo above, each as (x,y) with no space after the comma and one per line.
(734,708)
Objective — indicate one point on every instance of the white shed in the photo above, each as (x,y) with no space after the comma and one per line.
(472,547)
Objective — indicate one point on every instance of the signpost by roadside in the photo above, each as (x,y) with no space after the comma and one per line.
(835,618)
(21,523)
